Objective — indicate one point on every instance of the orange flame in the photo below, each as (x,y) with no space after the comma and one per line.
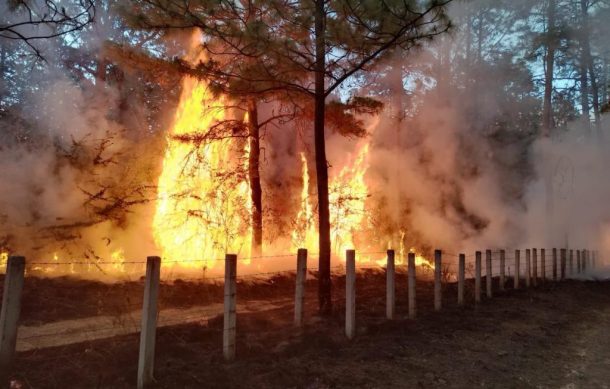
(202,208)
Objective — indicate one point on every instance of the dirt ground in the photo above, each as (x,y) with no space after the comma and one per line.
(554,336)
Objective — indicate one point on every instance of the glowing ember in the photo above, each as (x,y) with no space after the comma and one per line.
(3,260)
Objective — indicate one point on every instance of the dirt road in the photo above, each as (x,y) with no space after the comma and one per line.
(65,332)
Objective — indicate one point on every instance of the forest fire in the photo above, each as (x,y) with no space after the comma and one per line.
(203,212)
(199,217)
(240,189)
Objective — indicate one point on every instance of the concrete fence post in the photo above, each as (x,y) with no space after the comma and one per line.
(438,291)
(528,267)
(412,277)
(350,294)
(535,266)
(146,359)
(517,268)
(555,264)
(543,265)
(9,315)
(578,263)
(477,277)
(584,260)
(502,269)
(299,290)
(571,263)
(563,264)
(488,273)
(461,278)
(390,286)
(230,319)
(588,256)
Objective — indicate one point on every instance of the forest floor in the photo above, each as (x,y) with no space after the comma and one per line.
(555,336)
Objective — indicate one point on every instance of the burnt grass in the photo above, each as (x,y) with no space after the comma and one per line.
(520,338)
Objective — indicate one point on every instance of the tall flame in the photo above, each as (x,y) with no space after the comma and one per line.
(347,196)
(202,208)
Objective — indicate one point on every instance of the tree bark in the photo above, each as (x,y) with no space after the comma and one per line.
(254,176)
(3,56)
(585,52)
(547,115)
(604,79)
(324,288)
(589,66)
(547,111)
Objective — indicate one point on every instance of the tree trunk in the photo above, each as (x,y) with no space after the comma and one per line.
(595,96)
(547,115)
(584,89)
(604,83)
(585,53)
(549,67)
(254,176)
(589,65)
(2,71)
(324,288)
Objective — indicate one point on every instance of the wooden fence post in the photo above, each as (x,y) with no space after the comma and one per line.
(571,263)
(528,267)
(230,319)
(578,264)
(411,280)
(477,277)
(563,264)
(438,291)
(350,294)
(593,259)
(9,315)
(299,291)
(390,286)
(461,278)
(502,269)
(535,266)
(517,268)
(555,264)
(543,265)
(488,272)
(146,359)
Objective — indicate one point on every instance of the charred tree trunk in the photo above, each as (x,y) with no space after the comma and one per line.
(549,69)
(256,193)
(324,291)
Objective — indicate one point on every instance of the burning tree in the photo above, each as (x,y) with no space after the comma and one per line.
(306,49)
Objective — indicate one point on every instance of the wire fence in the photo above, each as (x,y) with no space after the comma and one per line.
(62,311)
